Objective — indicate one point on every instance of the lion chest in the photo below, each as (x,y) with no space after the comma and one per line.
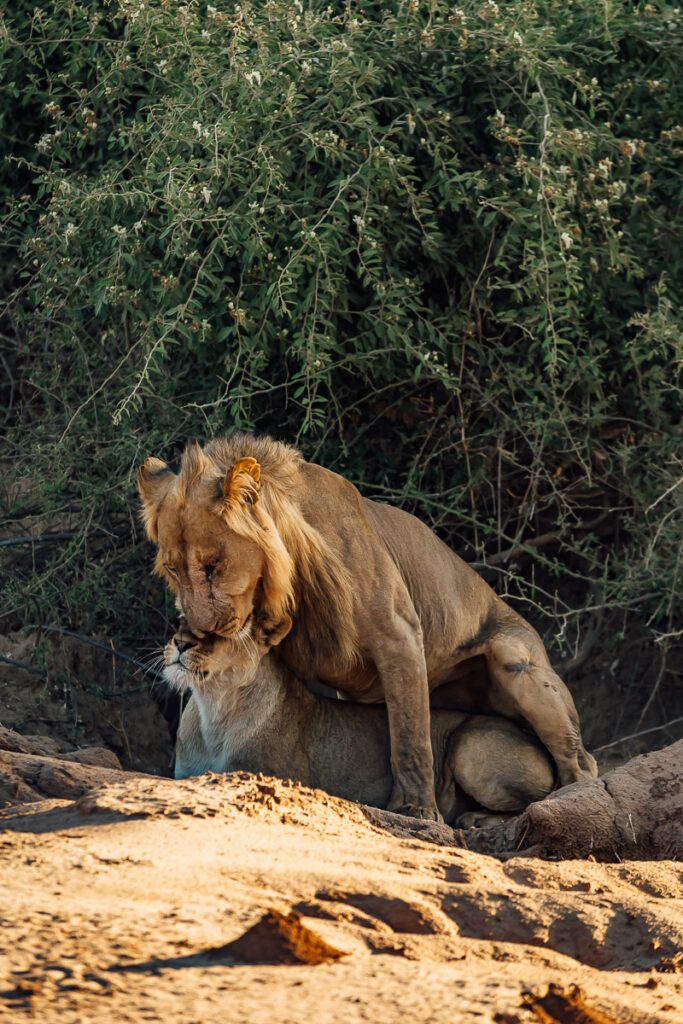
(234,735)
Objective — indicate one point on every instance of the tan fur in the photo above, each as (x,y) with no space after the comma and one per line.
(248,712)
(382,609)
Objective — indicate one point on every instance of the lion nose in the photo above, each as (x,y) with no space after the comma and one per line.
(182,645)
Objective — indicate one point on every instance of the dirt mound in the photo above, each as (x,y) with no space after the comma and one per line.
(150,899)
(277,939)
(634,812)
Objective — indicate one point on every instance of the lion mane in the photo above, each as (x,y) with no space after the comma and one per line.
(303,576)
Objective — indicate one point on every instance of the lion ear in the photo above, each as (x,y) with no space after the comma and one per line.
(154,481)
(270,634)
(241,484)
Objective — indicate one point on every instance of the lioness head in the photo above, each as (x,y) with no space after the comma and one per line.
(192,661)
(218,548)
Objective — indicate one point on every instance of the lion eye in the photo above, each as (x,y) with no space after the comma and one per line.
(171,569)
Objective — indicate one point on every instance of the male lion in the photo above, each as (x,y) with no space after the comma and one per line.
(248,712)
(382,609)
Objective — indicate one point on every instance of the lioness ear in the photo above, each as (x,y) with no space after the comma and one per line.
(241,484)
(154,480)
(271,634)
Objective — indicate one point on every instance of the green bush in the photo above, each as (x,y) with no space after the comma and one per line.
(436,247)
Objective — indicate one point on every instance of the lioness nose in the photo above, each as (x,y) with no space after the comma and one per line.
(182,644)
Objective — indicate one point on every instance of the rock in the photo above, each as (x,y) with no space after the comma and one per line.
(14,741)
(29,777)
(634,812)
(99,757)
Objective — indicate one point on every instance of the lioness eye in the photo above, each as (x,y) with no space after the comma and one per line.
(171,569)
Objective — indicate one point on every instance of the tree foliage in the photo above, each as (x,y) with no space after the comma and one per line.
(437,247)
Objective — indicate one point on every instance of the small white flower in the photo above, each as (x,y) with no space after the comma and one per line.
(138,226)
(198,128)
(600,205)
(206,35)
(564,171)
(206,194)
(360,223)
(604,167)
(161,66)
(567,240)
(253,76)
(119,231)
(211,12)
(517,38)
(70,231)
(411,123)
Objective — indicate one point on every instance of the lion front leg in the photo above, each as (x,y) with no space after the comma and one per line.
(192,756)
(402,670)
(519,667)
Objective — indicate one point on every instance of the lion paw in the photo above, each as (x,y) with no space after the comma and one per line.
(426,813)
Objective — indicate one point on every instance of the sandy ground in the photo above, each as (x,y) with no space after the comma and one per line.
(116,906)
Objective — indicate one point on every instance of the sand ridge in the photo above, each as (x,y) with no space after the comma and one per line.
(132,903)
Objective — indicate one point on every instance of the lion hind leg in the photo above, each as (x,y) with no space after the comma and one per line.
(498,765)
(520,671)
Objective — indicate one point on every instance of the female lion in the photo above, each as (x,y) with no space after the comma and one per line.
(248,712)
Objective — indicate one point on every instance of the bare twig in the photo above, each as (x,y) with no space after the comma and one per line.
(92,643)
(655,688)
(635,735)
(585,649)
(673,487)
(10,404)
(69,682)
(519,549)
(44,538)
